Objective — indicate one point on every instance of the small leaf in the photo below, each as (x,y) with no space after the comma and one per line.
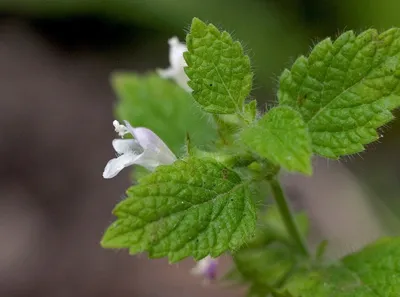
(219,71)
(265,262)
(191,208)
(228,127)
(345,90)
(250,111)
(160,105)
(321,249)
(266,267)
(281,136)
(372,272)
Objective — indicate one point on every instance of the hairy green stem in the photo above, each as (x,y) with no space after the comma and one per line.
(287,216)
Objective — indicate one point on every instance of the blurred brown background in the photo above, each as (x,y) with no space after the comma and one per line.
(56,109)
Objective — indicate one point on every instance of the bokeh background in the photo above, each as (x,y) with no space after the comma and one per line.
(56,109)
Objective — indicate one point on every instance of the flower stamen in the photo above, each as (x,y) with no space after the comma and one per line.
(120,129)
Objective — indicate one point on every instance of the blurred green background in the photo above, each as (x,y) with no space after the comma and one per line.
(56,110)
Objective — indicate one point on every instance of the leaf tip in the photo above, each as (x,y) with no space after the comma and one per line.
(111,240)
(197,24)
(308,172)
(105,241)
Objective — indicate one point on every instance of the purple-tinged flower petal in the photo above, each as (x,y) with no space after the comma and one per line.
(146,149)
(207,268)
(122,146)
(114,166)
(148,140)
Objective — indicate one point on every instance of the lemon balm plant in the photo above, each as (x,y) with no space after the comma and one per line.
(205,155)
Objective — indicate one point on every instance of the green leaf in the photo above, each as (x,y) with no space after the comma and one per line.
(281,294)
(281,136)
(265,262)
(193,208)
(266,267)
(345,90)
(321,249)
(219,71)
(372,272)
(162,106)
(228,127)
(250,111)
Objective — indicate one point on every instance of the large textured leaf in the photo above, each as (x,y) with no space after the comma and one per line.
(345,90)
(163,107)
(219,71)
(191,208)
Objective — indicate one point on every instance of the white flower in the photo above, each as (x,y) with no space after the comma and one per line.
(176,69)
(146,149)
(207,268)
